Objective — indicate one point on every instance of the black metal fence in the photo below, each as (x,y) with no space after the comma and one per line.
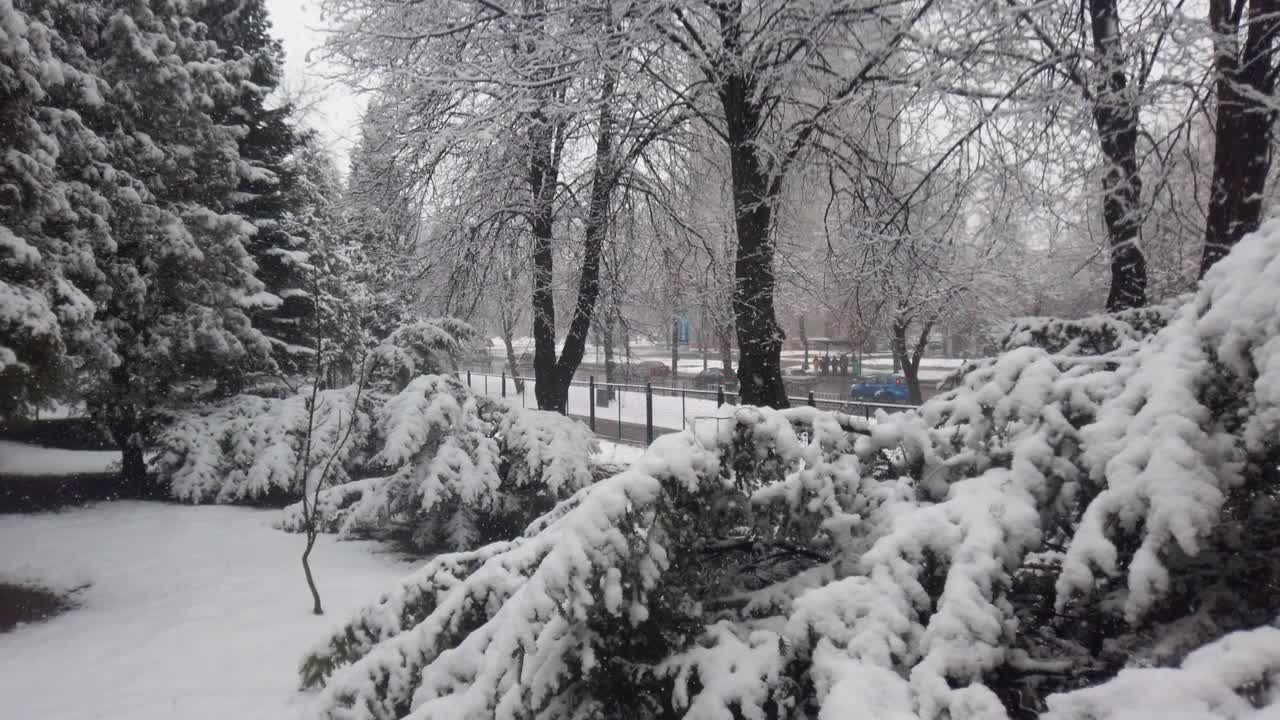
(605,411)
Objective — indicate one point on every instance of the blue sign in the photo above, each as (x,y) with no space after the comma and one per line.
(682,329)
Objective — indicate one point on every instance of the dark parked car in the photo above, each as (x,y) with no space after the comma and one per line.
(881,388)
(647,370)
(712,378)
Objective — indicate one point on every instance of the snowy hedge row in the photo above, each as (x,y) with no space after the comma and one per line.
(456,469)
(435,463)
(1074,509)
(423,458)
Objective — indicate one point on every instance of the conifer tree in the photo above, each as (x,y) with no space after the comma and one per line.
(119,208)
(265,195)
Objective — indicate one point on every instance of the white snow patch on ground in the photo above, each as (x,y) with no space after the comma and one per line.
(627,407)
(669,412)
(618,454)
(192,612)
(59,411)
(21,460)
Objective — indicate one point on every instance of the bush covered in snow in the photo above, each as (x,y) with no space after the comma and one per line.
(250,448)
(427,460)
(1089,336)
(426,347)
(1100,498)
(453,469)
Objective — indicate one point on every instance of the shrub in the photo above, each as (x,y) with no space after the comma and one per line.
(1103,494)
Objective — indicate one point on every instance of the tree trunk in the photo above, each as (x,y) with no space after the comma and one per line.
(804,340)
(126,426)
(512,363)
(553,376)
(759,337)
(1243,125)
(544,171)
(607,329)
(675,349)
(316,608)
(1116,117)
(724,339)
(910,357)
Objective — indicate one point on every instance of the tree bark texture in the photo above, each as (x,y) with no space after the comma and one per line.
(910,358)
(552,375)
(316,607)
(512,364)
(675,349)
(724,344)
(544,173)
(1115,116)
(124,420)
(607,330)
(759,336)
(1244,82)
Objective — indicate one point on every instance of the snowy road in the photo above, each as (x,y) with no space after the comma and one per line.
(192,612)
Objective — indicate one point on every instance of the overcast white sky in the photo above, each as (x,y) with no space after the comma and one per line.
(336,110)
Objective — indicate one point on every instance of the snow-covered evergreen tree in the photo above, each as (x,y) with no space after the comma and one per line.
(1099,497)
(427,461)
(180,281)
(274,193)
(380,227)
(150,188)
(38,306)
(121,191)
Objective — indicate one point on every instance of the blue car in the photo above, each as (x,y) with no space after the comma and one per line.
(881,388)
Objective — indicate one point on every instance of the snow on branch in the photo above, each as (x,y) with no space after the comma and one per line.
(247,448)
(455,469)
(1101,494)
(1234,677)
(425,347)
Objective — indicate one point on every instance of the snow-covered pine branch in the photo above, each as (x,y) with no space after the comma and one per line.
(454,470)
(1061,514)
(247,448)
(427,460)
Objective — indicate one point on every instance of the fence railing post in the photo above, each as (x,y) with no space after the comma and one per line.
(504,384)
(648,413)
(683,413)
(468,378)
(811,402)
(719,396)
(619,396)
(591,384)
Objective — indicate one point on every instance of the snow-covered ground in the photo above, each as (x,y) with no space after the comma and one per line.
(931,369)
(21,460)
(629,407)
(672,413)
(617,453)
(191,612)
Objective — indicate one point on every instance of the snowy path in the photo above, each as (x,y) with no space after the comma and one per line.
(192,612)
(612,452)
(668,412)
(21,460)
